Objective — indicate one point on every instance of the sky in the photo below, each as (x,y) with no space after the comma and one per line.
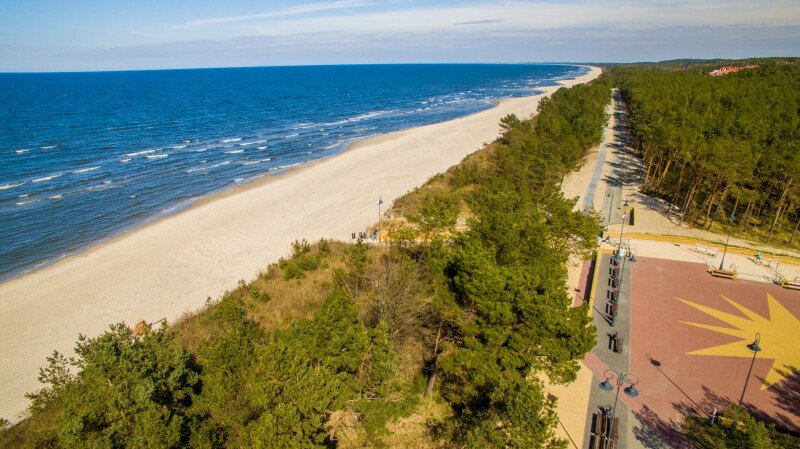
(79,35)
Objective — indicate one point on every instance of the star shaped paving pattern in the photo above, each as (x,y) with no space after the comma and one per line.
(778,332)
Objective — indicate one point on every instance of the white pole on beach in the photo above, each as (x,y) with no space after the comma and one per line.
(380,201)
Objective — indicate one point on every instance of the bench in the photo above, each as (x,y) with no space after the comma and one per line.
(600,431)
(727,274)
(597,424)
(613,295)
(619,344)
(614,283)
(613,308)
(614,272)
(795,285)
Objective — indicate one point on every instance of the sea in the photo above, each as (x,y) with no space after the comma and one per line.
(87,156)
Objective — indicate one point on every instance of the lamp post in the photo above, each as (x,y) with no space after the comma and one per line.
(624,210)
(610,208)
(754,346)
(380,201)
(630,390)
(730,226)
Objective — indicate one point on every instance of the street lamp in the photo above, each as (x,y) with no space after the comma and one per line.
(754,346)
(624,210)
(610,208)
(380,201)
(630,390)
(730,227)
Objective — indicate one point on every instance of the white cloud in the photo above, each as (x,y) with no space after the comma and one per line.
(510,15)
(285,12)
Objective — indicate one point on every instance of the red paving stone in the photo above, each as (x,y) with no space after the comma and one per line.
(657,334)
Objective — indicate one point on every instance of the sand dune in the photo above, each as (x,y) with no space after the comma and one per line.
(172,265)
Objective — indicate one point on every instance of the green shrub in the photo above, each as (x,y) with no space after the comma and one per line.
(292,271)
(300,247)
(307,262)
(324,247)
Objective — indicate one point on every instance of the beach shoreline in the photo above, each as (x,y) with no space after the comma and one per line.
(170,265)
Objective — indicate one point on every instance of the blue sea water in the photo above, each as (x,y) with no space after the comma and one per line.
(85,156)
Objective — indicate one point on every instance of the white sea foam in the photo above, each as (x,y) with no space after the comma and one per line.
(56,197)
(23,203)
(369,115)
(334,144)
(220,164)
(231,140)
(234,152)
(125,160)
(23,151)
(47,178)
(157,156)
(200,150)
(11,185)
(84,170)
(238,180)
(49,147)
(139,153)
(245,144)
(293,135)
(24,195)
(255,162)
(105,185)
(178,147)
(207,167)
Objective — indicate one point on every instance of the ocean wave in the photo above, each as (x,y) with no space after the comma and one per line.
(234,152)
(220,164)
(231,140)
(157,156)
(237,180)
(334,145)
(125,160)
(25,203)
(49,147)
(84,170)
(200,150)
(10,185)
(56,197)
(256,162)
(178,147)
(105,185)
(207,167)
(369,115)
(23,151)
(293,135)
(245,144)
(139,153)
(47,178)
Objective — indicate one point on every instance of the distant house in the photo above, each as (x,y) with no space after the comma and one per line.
(730,69)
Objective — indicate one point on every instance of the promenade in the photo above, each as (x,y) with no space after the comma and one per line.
(683,333)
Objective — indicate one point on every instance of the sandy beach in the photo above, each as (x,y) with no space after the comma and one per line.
(169,267)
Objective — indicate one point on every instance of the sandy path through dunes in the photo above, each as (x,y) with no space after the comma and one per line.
(171,266)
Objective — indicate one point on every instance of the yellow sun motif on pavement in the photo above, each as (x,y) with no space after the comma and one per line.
(778,332)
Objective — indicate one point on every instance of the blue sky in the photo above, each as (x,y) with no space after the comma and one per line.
(66,35)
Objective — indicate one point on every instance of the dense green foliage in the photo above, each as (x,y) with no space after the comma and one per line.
(716,146)
(510,313)
(736,429)
(128,392)
(485,311)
